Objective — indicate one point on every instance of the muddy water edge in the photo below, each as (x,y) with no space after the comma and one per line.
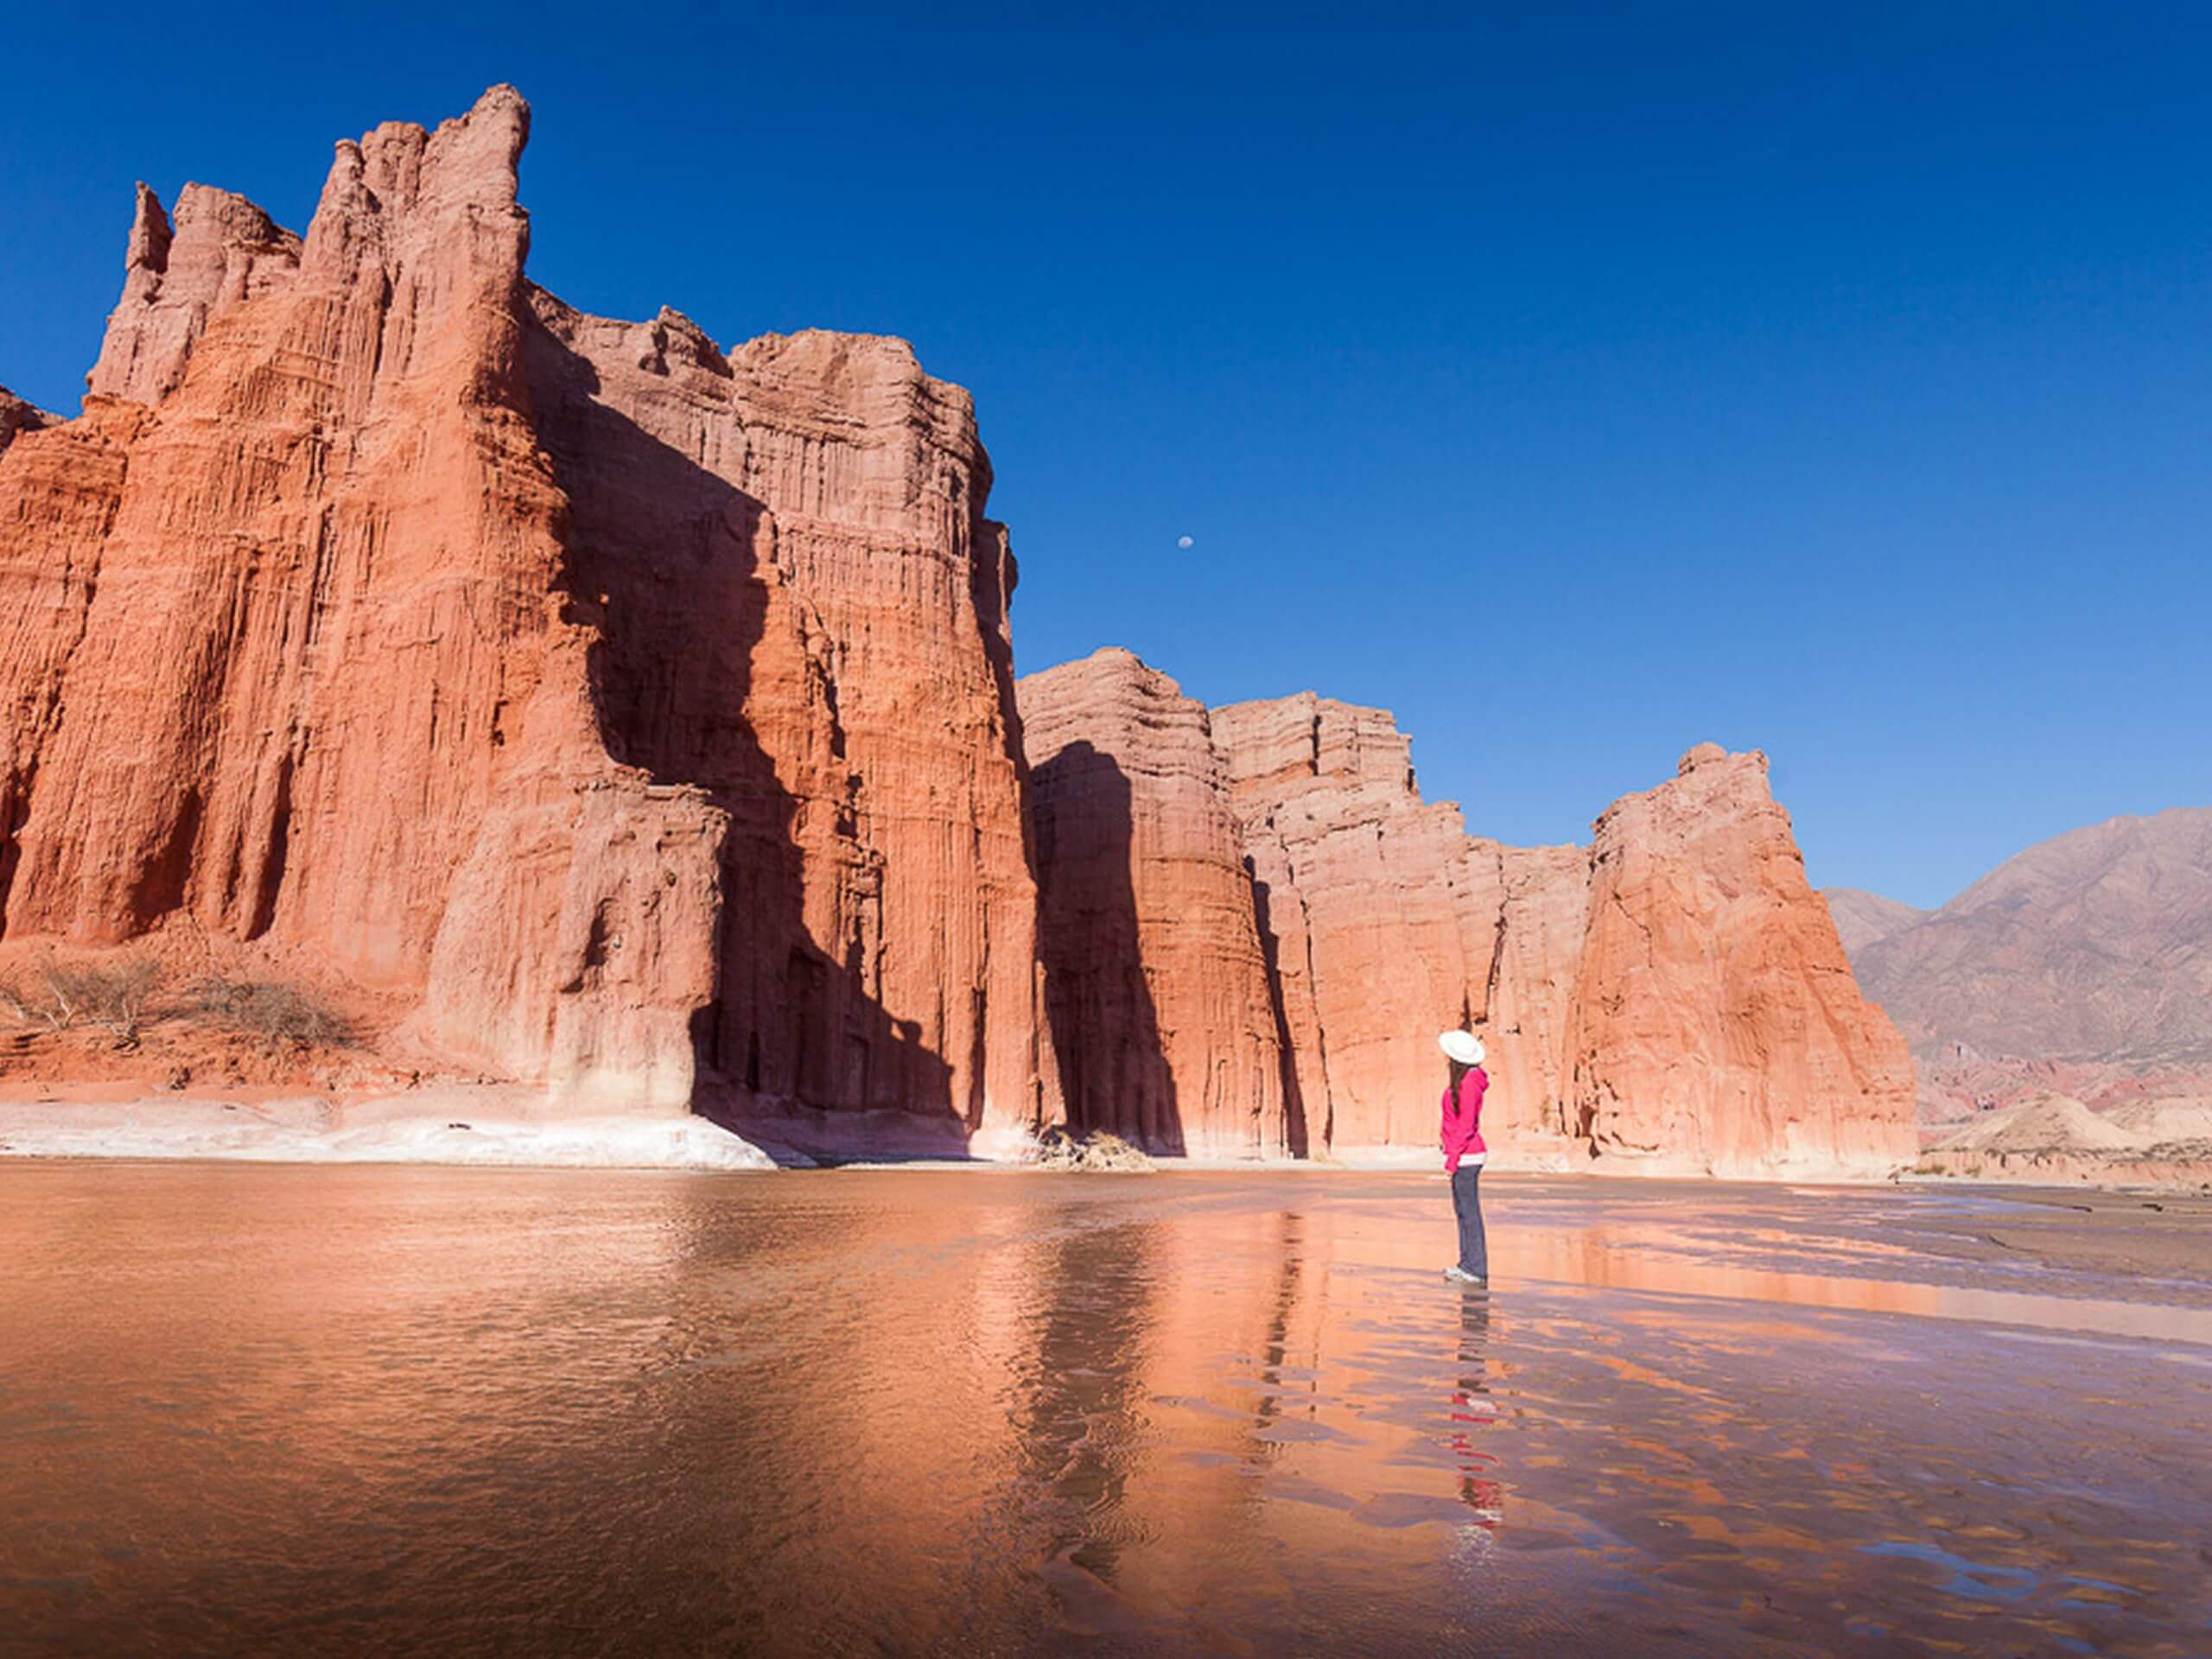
(254,1409)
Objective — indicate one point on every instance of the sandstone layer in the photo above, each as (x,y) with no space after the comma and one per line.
(643,712)
(803,610)
(1162,1015)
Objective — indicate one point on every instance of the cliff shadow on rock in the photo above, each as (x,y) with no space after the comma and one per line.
(1115,1074)
(699,639)
(1297,1134)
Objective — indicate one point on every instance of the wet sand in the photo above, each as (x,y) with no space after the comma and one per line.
(2163,1237)
(259,1410)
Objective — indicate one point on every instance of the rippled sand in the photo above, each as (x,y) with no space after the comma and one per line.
(261,1410)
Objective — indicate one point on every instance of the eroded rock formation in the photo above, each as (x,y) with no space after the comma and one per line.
(1359,880)
(637,717)
(1718,1024)
(1672,999)
(1166,1032)
(649,710)
(308,612)
(803,609)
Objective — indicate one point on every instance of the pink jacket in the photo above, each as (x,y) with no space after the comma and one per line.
(1463,1120)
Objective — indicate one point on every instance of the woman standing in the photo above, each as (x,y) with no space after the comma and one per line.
(1465,1155)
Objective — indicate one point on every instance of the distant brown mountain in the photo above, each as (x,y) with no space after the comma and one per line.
(2094,946)
(1861,917)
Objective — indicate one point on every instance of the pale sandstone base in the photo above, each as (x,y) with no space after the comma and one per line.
(466,1125)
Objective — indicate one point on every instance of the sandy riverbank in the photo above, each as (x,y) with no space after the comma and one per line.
(495,1124)
(465,1125)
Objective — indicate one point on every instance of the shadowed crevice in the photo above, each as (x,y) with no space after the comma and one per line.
(1114,1071)
(667,562)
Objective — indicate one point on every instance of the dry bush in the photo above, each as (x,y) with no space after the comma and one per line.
(111,992)
(272,1008)
(19,1002)
(1098,1150)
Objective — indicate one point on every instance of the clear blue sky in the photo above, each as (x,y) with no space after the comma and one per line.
(1579,382)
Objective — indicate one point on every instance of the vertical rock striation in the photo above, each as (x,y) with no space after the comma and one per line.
(322,686)
(803,611)
(1162,1017)
(646,711)
(1360,880)
(1529,907)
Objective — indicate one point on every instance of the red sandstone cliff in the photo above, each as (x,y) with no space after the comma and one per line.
(1718,1024)
(1358,879)
(644,712)
(1162,1016)
(307,611)
(1674,999)
(637,718)
(804,611)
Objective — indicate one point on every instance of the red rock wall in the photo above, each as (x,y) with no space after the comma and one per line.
(1529,908)
(1719,1027)
(648,710)
(1360,880)
(1161,1012)
(1672,999)
(324,692)
(646,713)
(802,612)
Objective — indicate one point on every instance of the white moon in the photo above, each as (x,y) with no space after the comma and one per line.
(1182,541)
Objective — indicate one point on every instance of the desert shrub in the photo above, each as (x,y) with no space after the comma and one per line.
(19,1002)
(273,1009)
(1097,1150)
(111,992)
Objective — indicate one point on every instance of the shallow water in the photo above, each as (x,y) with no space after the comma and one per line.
(250,1409)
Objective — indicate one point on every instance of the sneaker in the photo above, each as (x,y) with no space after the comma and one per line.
(1459,1275)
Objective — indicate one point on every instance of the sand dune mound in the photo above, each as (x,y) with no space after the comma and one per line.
(2161,1123)
(2042,1123)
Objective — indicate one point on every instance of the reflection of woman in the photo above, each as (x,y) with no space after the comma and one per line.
(1465,1153)
(1471,1409)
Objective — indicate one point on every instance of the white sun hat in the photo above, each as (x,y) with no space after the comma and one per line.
(1462,1045)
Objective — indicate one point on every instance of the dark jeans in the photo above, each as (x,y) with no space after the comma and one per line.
(1467,1200)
